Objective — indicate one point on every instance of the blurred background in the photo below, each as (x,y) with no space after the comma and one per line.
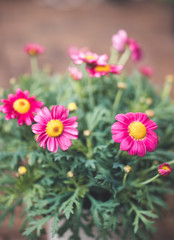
(59,24)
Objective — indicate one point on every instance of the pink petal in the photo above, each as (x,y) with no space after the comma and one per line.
(141,148)
(70,130)
(64,142)
(141,117)
(12,97)
(70,122)
(52,144)
(69,135)
(38,128)
(126,144)
(27,119)
(131,116)
(117,127)
(150,143)
(19,93)
(26,94)
(122,118)
(119,136)
(133,150)
(150,125)
(59,112)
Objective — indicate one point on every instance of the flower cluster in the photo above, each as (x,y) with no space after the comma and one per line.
(121,40)
(96,65)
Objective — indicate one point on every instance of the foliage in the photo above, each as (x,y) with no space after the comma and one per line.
(98,194)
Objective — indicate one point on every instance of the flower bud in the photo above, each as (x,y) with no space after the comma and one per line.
(127,169)
(22,170)
(72,106)
(70,174)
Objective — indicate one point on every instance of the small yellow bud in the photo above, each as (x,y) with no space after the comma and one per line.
(70,174)
(121,85)
(22,170)
(170,78)
(149,101)
(36,136)
(12,81)
(72,106)
(127,169)
(150,113)
(87,133)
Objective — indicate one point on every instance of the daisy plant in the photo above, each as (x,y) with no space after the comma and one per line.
(65,159)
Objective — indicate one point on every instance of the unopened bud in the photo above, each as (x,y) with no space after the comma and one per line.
(70,174)
(87,133)
(127,169)
(22,170)
(72,106)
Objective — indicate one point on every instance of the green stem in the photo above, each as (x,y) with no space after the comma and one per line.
(124,57)
(150,180)
(91,98)
(34,65)
(113,57)
(117,100)
(124,179)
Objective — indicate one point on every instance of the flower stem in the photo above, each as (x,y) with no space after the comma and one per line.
(114,56)
(34,64)
(91,98)
(124,179)
(124,57)
(117,100)
(150,180)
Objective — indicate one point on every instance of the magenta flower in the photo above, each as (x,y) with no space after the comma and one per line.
(21,106)
(75,73)
(135,133)
(54,129)
(98,71)
(34,49)
(75,53)
(146,71)
(164,169)
(136,51)
(120,40)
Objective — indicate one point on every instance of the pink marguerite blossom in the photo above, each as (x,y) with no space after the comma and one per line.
(98,71)
(135,133)
(146,71)
(120,40)
(164,169)
(136,51)
(34,49)
(54,129)
(21,106)
(75,73)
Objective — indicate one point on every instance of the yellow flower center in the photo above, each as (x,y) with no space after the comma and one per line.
(54,128)
(89,57)
(22,170)
(102,68)
(165,168)
(32,52)
(21,105)
(137,130)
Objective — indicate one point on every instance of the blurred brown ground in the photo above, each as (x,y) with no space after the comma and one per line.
(92,25)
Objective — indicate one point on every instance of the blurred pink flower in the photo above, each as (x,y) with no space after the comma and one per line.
(21,106)
(98,71)
(75,73)
(120,40)
(84,55)
(146,71)
(164,169)
(135,133)
(54,128)
(34,49)
(136,51)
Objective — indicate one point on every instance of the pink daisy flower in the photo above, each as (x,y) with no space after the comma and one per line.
(120,40)
(135,133)
(21,106)
(164,169)
(98,71)
(76,53)
(54,129)
(146,71)
(75,73)
(136,51)
(34,49)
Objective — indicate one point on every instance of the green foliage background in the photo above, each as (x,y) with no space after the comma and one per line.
(100,194)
